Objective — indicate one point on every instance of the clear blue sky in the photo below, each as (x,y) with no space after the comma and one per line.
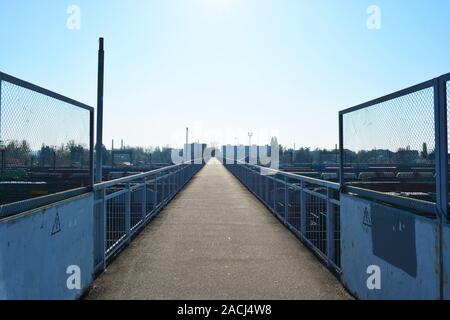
(225,67)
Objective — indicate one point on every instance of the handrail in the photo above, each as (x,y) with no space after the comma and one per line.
(323,183)
(408,203)
(107,184)
(38,89)
(12,209)
(398,94)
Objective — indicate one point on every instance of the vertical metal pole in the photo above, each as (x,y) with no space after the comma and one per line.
(258,183)
(331,225)
(266,183)
(440,103)
(128,213)
(163,191)
(183,177)
(99,146)
(186,157)
(91,148)
(1,107)
(155,194)
(105,228)
(341,150)
(441,145)
(144,201)
(286,201)
(303,210)
(169,186)
(274,193)
(1,139)
(172,184)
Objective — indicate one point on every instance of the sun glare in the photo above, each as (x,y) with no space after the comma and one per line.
(219,4)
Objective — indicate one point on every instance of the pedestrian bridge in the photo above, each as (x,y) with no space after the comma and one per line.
(215,240)
(229,230)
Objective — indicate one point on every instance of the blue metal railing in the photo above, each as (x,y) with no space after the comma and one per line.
(309,207)
(123,206)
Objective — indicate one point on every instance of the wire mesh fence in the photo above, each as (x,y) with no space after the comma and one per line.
(389,144)
(124,206)
(309,207)
(316,222)
(45,142)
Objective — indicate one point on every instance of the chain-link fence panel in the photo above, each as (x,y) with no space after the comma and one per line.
(389,144)
(45,142)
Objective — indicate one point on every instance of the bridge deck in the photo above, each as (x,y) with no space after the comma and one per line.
(215,240)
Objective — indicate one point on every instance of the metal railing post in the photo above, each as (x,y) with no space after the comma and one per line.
(341,150)
(128,212)
(91,146)
(286,200)
(3,148)
(1,106)
(163,189)
(155,194)
(441,137)
(173,184)
(441,150)
(331,226)
(99,145)
(274,192)
(176,181)
(303,210)
(266,183)
(144,201)
(104,227)
(261,184)
(169,185)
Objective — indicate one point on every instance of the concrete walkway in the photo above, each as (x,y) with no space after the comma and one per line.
(215,240)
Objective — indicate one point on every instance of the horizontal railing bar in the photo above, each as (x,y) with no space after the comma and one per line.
(413,204)
(315,194)
(445,77)
(397,94)
(8,210)
(107,184)
(409,203)
(116,194)
(138,186)
(38,89)
(323,183)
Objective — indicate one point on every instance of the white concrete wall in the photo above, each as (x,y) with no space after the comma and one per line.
(35,251)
